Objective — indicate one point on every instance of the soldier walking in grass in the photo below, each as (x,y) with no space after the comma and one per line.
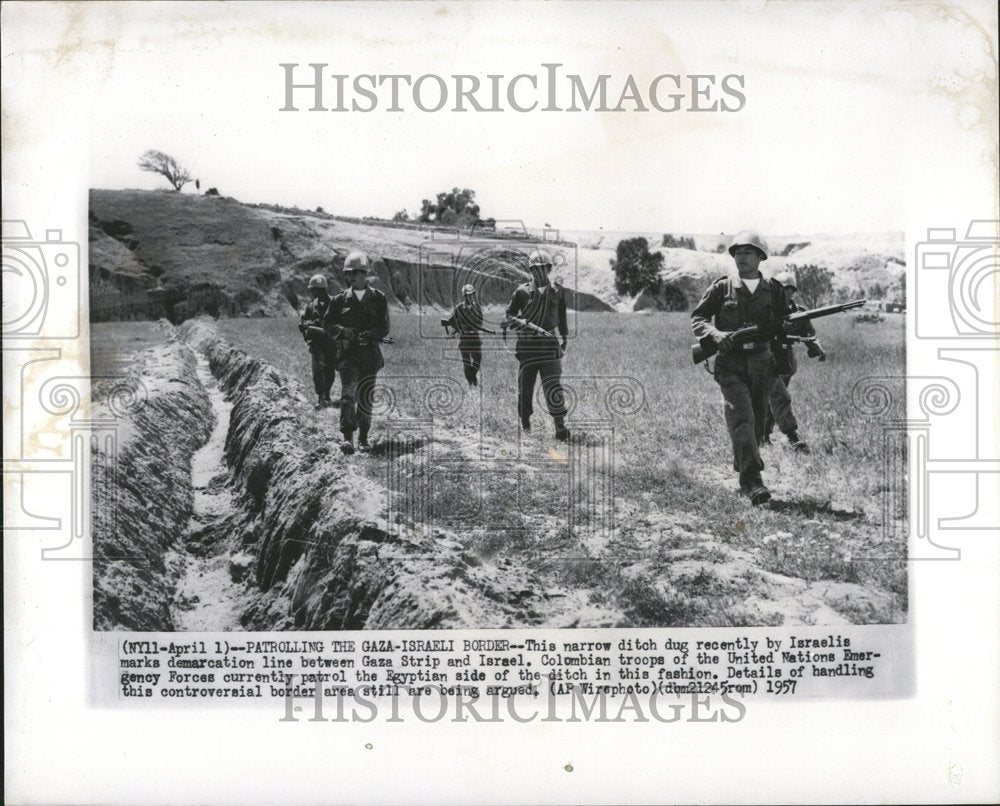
(780,410)
(467,321)
(745,372)
(538,312)
(322,349)
(357,319)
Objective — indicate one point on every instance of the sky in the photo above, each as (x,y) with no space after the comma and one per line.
(850,108)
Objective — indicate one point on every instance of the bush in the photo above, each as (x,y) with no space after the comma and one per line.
(815,284)
(671,242)
(636,268)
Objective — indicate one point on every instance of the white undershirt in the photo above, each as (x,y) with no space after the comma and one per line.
(359,295)
(751,285)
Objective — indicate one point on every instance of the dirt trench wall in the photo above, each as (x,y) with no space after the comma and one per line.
(134,581)
(326,558)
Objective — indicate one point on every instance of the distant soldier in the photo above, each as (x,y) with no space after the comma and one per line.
(467,321)
(780,410)
(321,346)
(538,311)
(744,372)
(358,317)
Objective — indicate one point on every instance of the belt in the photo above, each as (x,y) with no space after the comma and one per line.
(753,346)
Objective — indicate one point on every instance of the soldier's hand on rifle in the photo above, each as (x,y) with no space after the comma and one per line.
(724,341)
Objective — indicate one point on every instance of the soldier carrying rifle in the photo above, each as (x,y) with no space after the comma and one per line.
(745,320)
(780,410)
(467,321)
(358,321)
(321,347)
(538,311)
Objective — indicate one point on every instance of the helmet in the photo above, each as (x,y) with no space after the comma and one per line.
(356,261)
(317,281)
(787,279)
(749,237)
(539,258)
(468,289)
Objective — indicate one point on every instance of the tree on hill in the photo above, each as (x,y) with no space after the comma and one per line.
(159,163)
(670,241)
(454,208)
(815,284)
(401,216)
(636,268)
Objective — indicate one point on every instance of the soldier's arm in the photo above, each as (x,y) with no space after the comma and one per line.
(332,319)
(563,325)
(516,303)
(705,311)
(381,329)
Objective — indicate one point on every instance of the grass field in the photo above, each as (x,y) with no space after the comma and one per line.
(642,509)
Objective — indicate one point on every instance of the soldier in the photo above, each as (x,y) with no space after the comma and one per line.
(537,310)
(321,346)
(744,372)
(467,321)
(780,410)
(357,317)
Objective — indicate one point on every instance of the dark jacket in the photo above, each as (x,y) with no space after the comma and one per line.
(466,320)
(368,318)
(313,316)
(728,305)
(545,307)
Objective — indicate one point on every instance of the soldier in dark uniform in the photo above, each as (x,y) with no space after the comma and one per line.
(467,321)
(745,372)
(356,317)
(321,347)
(538,311)
(780,411)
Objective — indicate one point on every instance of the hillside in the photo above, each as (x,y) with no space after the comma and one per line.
(162,254)
(156,253)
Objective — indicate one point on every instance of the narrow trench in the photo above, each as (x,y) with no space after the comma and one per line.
(207,597)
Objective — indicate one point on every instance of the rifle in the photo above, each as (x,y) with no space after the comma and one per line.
(776,328)
(445,323)
(315,331)
(523,324)
(813,348)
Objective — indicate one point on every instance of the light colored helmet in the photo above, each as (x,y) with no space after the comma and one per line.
(749,237)
(539,258)
(787,279)
(317,281)
(468,289)
(356,261)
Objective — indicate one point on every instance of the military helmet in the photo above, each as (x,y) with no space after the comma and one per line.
(317,281)
(467,289)
(749,237)
(356,261)
(539,258)
(787,279)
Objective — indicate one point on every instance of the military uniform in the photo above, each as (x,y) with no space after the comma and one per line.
(357,362)
(540,355)
(322,349)
(466,320)
(747,374)
(780,411)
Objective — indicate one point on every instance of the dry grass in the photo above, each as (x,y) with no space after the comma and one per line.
(673,488)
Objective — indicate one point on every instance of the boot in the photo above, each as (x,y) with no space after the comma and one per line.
(525,424)
(363,445)
(562,432)
(319,404)
(796,443)
(347,444)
